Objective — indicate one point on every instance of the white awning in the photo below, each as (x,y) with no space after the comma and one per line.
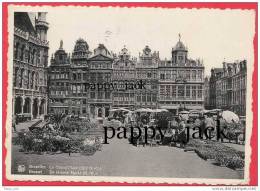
(195,107)
(169,107)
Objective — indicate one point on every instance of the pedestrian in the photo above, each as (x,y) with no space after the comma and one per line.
(198,125)
(182,139)
(221,124)
(16,119)
(209,125)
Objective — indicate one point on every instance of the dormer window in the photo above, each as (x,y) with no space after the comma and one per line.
(180,58)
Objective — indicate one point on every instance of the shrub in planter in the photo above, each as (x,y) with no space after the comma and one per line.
(74,146)
(207,153)
(88,150)
(229,160)
(231,135)
(220,159)
(18,140)
(235,162)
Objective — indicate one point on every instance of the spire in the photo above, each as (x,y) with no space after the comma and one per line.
(179,37)
(61,44)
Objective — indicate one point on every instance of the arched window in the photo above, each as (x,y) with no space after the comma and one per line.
(21,78)
(22,52)
(33,56)
(38,58)
(28,79)
(36,81)
(15,76)
(74,76)
(16,50)
(32,80)
(29,54)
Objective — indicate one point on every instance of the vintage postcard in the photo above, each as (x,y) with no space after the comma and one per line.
(129,94)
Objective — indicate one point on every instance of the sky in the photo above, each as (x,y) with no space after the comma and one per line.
(210,34)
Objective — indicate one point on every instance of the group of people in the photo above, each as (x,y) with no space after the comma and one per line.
(174,129)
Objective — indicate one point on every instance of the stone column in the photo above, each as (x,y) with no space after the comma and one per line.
(39,106)
(96,111)
(31,110)
(103,112)
(88,109)
(22,104)
(45,107)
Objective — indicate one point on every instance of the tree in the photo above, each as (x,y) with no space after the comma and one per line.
(58,118)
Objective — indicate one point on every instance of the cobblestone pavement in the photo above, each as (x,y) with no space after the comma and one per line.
(119,158)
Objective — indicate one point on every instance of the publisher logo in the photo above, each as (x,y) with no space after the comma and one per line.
(21,168)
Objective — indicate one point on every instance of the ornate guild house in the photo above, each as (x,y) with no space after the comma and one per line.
(59,81)
(181,81)
(227,87)
(30,61)
(124,67)
(76,84)
(146,70)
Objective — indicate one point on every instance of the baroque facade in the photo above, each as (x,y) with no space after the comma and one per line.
(74,82)
(147,71)
(96,82)
(124,67)
(30,61)
(227,87)
(59,81)
(181,81)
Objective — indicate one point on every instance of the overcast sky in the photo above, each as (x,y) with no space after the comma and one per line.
(212,35)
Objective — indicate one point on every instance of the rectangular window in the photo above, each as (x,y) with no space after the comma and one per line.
(100,78)
(92,95)
(200,91)
(174,91)
(126,96)
(107,77)
(155,75)
(154,99)
(193,92)
(107,95)
(162,76)
(79,88)
(188,91)
(193,74)
(168,75)
(92,77)
(84,76)
(149,98)
(100,95)
(174,74)
(154,86)
(200,74)
(188,74)
(180,58)
(139,98)
(162,89)
(181,91)
(143,98)
(74,89)
(168,91)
